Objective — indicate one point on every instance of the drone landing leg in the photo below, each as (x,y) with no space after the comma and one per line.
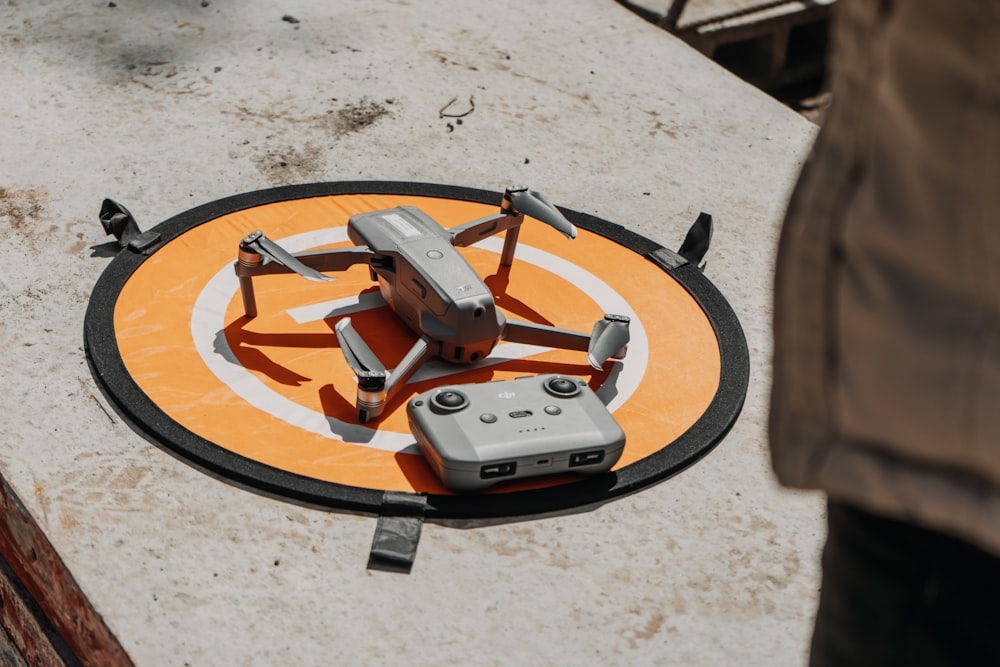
(509,243)
(246,261)
(249,299)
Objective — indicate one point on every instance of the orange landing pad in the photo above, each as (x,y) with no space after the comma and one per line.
(269,401)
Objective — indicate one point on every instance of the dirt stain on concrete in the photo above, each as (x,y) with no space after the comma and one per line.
(22,207)
(358,115)
(349,118)
(287,165)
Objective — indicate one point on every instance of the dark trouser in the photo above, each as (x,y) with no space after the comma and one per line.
(897,594)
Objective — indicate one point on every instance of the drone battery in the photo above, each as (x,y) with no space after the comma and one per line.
(476,435)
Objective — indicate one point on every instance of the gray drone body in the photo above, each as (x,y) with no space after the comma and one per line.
(428,283)
(432,288)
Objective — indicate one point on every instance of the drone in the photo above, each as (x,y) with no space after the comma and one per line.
(432,288)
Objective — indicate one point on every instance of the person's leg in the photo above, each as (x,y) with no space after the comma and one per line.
(897,594)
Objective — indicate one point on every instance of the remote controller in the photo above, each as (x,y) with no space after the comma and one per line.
(475,435)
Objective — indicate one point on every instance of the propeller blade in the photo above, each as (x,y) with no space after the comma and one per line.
(608,339)
(265,246)
(537,206)
(371,374)
(359,356)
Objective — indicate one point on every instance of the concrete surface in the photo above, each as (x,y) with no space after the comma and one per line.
(171,104)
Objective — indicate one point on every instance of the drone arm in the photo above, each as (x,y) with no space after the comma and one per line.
(320,260)
(339,259)
(529,333)
(609,338)
(250,263)
(515,204)
(421,351)
(477,230)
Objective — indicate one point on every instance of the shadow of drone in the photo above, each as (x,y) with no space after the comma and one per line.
(498,284)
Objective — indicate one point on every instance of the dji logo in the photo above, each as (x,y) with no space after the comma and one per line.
(506,394)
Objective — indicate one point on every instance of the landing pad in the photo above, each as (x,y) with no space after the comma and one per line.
(268,402)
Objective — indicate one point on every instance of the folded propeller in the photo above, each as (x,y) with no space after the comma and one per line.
(260,244)
(533,203)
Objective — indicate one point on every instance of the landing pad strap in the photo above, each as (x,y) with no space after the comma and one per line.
(397,533)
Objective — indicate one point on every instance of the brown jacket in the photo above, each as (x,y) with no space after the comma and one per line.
(887,294)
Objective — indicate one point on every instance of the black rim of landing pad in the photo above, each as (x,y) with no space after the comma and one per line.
(144,415)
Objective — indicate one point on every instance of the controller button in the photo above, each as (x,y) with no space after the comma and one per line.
(517,414)
(562,387)
(451,400)
(553,410)
(488,418)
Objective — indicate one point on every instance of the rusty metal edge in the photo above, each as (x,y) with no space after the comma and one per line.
(26,629)
(48,582)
